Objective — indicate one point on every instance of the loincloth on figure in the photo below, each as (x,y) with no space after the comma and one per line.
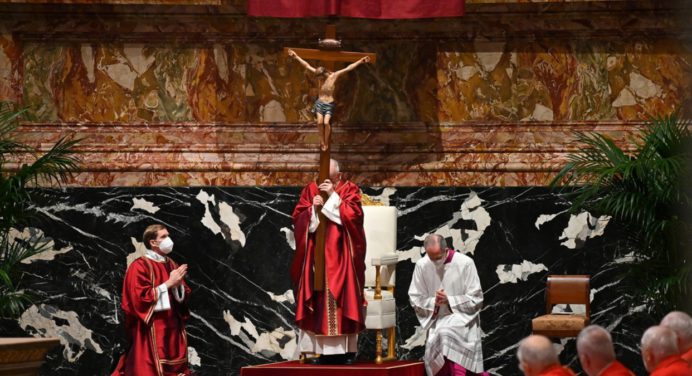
(323,108)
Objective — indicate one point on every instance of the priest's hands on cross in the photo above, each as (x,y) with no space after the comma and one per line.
(177,276)
(327,187)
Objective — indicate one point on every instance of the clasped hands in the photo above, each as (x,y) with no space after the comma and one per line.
(177,276)
(441,298)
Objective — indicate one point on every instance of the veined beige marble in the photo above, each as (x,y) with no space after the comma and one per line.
(189,95)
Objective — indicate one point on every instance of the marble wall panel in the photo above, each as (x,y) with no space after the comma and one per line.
(239,244)
(491,98)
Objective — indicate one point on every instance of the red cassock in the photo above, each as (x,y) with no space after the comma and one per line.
(157,340)
(672,366)
(687,356)
(340,312)
(616,369)
(557,370)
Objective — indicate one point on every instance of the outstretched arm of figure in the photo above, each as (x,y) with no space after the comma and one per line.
(353,66)
(302,62)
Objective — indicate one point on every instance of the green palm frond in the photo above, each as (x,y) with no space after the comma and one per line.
(14,251)
(17,250)
(9,119)
(53,167)
(13,302)
(5,279)
(645,191)
(49,168)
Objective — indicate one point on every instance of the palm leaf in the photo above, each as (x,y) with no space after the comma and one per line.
(645,192)
(50,168)
(12,302)
(54,166)
(5,278)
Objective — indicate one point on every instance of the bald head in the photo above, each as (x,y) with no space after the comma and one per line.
(681,323)
(435,246)
(658,343)
(595,348)
(535,354)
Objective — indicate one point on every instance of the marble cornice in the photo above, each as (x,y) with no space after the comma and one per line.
(398,149)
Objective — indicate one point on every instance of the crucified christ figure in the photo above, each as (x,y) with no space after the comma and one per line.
(324,105)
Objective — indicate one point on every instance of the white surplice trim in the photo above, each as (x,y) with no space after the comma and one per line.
(327,345)
(163,303)
(330,210)
(179,293)
(314,220)
(154,256)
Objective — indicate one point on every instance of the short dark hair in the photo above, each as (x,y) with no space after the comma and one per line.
(151,233)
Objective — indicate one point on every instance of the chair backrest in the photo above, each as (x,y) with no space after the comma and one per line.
(380,238)
(568,289)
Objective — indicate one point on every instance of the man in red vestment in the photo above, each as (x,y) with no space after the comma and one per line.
(681,323)
(330,320)
(537,357)
(154,301)
(660,353)
(597,355)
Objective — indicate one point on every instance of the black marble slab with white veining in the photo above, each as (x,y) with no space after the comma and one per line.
(238,244)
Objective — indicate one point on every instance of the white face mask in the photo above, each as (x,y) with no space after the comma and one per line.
(166,245)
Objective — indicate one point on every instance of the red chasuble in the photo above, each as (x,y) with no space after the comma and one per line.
(339,308)
(157,340)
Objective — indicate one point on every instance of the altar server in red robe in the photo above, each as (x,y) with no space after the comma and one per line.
(154,301)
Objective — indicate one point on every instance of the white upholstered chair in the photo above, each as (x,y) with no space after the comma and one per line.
(380,263)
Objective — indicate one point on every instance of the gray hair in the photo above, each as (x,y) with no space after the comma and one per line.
(439,240)
(661,341)
(537,351)
(681,323)
(336,164)
(596,342)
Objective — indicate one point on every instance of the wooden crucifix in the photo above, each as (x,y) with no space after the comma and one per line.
(323,111)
